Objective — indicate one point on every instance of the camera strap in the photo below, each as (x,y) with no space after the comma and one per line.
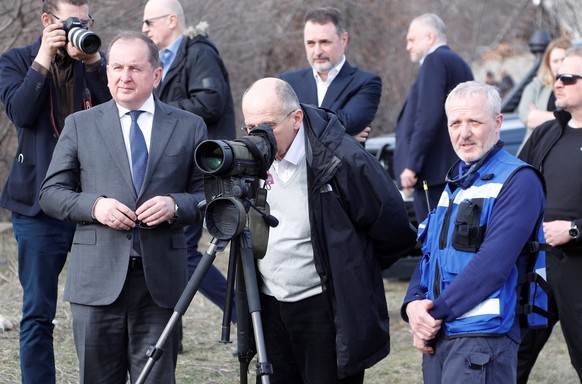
(259,228)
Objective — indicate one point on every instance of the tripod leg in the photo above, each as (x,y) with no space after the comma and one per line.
(230,280)
(154,352)
(264,368)
(245,348)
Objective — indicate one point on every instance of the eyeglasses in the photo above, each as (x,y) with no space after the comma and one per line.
(151,20)
(568,79)
(248,128)
(87,23)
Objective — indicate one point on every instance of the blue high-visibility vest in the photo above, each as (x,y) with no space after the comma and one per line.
(452,235)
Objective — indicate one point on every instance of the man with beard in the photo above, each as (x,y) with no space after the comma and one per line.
(331,82)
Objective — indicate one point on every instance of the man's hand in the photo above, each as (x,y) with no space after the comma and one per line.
(77,54)
(422,346)
(363,135)
(408,178)
(53,38)
(424,327)
(156,210)
(114,214)
(556,232)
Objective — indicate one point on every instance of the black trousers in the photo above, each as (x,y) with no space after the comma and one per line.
(565,303)
(300,342)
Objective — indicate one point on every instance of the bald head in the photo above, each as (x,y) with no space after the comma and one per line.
(172,7)
(271,93)
(164,21)
(273,102)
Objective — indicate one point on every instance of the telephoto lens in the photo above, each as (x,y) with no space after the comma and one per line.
(80,36)
(85,40)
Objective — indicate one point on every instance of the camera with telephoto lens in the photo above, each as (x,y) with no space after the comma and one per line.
(80,36)
(231,173)
(250,155)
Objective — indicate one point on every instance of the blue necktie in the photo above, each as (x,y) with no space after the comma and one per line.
(139,151)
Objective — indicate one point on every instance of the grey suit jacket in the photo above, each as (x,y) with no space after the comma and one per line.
(89,161)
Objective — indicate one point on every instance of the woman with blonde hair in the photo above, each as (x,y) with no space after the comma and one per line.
(537,102)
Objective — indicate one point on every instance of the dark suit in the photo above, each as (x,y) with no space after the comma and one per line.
(422,139)
(354,95)
(90,161)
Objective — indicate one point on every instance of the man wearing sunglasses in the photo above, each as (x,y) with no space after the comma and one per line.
(194,79)
(40,85)
(555,147)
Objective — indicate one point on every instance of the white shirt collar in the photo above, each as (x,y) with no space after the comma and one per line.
(287,166)
(332,74)
(431,51)
(296,151)
(148,106)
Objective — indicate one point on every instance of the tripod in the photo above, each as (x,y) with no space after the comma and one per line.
(242,262)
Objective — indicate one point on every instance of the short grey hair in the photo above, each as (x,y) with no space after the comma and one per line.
(287,96)
(470,88)
(153,50)
(434,23)
(326,15)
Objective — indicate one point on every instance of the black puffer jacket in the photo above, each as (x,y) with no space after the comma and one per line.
(359,226)
(198,82)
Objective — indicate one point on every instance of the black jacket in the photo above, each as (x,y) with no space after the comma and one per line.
(543,139)
(537,147)
(198,82)
(359,226)
(30,100)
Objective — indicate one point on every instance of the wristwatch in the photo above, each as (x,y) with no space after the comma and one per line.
(176,210)
(574,232)
(175,216)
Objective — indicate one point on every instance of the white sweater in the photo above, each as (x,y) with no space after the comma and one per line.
(288,269)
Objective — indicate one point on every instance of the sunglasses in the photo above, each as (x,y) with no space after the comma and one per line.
(149,22)
(568,79)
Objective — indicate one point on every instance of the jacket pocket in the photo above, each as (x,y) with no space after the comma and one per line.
(468,233)
(85,237)
(22,187)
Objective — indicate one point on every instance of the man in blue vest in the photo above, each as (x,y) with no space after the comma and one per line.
(462,297)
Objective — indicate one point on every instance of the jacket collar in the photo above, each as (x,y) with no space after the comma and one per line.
(324,133)
(562,116)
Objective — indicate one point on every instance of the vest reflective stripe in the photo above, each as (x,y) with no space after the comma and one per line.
(487,307)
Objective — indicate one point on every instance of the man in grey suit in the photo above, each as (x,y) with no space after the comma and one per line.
(127,267)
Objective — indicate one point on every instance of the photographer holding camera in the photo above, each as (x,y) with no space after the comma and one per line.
(341,221)
(40,85)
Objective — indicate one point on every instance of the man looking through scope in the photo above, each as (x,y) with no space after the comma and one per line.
(347,222)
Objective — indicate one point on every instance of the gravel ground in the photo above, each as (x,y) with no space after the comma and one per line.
(207,361)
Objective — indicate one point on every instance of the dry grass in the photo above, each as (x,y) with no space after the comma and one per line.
(206,361)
